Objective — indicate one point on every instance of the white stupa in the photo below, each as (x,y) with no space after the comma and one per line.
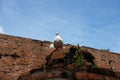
(58,42)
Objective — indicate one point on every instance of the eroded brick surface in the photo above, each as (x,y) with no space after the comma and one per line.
(105,59)
(19,56)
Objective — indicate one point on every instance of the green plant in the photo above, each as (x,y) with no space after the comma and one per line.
(105,50)
(79,58)
(93,66)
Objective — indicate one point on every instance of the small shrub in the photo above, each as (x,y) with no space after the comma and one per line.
(79,58)
(105,50)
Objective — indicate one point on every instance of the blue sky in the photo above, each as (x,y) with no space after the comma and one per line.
(93,23)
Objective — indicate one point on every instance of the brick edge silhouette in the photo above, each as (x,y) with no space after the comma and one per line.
(22,58)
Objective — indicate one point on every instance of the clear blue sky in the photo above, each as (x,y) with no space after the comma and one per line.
(93,23)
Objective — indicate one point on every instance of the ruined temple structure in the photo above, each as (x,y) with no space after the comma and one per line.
(29,59)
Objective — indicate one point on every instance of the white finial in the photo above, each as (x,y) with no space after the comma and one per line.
(58,42)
